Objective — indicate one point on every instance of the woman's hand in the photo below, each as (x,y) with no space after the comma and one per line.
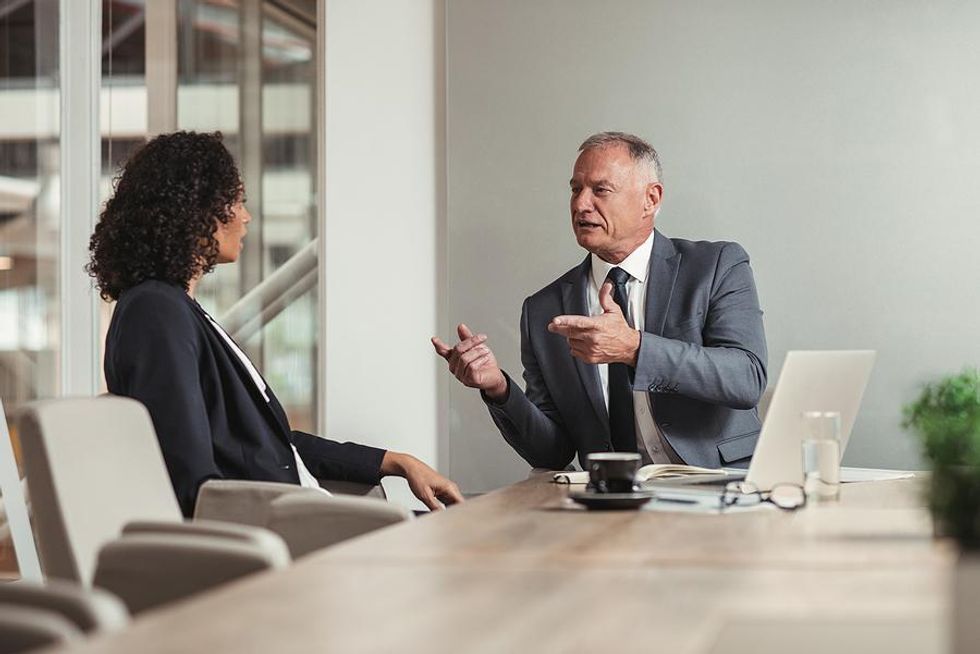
(429,486)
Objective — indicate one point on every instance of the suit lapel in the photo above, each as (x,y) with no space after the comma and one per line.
(272,408)
(277,410)
(664,262)
(575,302)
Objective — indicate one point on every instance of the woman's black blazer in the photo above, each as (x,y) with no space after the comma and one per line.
(211,420)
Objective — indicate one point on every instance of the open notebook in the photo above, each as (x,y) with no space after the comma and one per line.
(646,473)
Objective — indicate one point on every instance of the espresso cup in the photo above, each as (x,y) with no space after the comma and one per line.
(613,472)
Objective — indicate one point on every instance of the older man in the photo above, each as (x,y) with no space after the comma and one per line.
(651,345)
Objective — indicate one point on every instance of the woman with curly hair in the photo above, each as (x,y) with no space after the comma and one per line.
(177,211)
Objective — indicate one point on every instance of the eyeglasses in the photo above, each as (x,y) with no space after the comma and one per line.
(788,497)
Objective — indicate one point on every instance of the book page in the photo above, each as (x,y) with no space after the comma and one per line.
(646,473)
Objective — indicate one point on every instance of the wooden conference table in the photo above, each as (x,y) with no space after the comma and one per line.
(512,572)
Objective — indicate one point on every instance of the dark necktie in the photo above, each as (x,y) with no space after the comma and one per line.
(621,424)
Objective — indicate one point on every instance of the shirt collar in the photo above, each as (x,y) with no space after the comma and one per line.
(637,264)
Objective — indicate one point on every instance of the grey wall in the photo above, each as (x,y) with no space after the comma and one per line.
(382,232)
(839,142)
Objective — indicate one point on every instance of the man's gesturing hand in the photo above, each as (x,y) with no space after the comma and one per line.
(473,363)
(606,338)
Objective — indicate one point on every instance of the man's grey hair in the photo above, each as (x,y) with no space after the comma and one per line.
(640,151)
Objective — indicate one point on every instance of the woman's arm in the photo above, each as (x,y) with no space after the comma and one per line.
(329,459)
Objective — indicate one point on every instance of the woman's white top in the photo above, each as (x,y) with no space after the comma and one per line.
(306,478)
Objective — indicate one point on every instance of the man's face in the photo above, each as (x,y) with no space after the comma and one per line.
(614,202)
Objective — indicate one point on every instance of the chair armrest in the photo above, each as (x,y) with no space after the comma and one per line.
(353,488)
(309,523)
(147,570)
(243,502)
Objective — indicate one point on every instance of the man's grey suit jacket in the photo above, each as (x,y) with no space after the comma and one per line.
(702,359)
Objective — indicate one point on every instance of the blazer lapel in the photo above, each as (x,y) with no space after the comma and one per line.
(575,302)
(277,410)
(272,407)
(664,262)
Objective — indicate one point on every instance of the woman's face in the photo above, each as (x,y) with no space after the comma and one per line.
(230,234)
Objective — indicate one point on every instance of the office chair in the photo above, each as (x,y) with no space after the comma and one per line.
(94,465)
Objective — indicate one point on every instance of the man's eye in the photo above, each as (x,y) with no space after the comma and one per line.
(602,190)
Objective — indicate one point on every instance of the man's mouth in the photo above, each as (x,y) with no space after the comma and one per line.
(581,223)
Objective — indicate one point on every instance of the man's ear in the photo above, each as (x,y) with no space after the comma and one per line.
(653,197)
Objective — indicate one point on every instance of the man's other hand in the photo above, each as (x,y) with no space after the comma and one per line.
(606,338)
(429,486)
(473,363)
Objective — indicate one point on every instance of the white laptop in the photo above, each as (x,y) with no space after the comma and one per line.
(811,380)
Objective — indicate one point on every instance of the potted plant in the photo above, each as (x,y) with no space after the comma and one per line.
(947,418)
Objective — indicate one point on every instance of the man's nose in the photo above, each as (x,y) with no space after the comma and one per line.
(582,201)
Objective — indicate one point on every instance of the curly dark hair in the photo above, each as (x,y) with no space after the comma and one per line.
(161,220)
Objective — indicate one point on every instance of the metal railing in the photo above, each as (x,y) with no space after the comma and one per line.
(273,295)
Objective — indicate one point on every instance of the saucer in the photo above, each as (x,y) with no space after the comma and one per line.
(610,501)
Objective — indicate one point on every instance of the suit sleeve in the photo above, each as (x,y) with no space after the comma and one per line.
(529,420)
(329,459)
(156,356)
(729,368)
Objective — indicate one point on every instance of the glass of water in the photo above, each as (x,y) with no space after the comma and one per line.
(821,455)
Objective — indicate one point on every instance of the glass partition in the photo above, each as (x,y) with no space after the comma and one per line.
(289,202)
(30,221)
(246,68)
(123,102)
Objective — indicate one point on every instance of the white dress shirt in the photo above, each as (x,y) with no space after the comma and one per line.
(650,443)
(306,478)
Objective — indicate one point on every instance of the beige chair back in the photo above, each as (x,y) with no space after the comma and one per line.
(23,629)
(92,465)
(256,536)
(244,502)
(309,523)
(147,570)
(89,609)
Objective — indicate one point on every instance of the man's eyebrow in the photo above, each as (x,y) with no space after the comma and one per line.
(598,182)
